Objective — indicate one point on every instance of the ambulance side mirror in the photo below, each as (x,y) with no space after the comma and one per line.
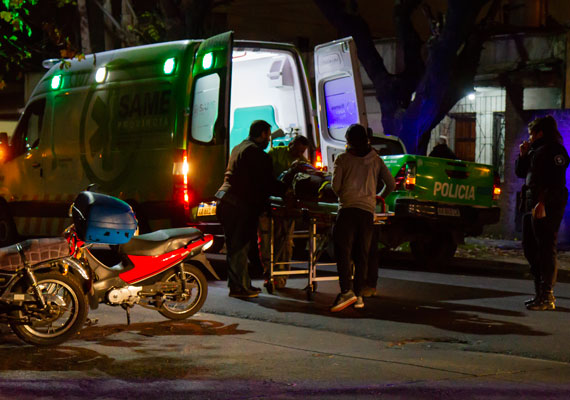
(4,148)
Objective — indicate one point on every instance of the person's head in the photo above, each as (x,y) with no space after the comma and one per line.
(356,137)
(544,127)
(442,140)
(260,133)
(298,146)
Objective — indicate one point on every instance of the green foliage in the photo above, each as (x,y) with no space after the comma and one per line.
(150,28)
(26,34)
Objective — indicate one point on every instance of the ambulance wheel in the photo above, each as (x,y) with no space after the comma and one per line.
(435,251)
(8,233)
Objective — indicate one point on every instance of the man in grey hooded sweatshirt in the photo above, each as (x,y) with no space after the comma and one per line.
(357,175)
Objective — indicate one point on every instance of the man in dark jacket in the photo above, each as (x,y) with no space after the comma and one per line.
(542,162)
(243,196)
(441,150)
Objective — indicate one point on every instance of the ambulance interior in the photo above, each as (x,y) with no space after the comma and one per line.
(266,85)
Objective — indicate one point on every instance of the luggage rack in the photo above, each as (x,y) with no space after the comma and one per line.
(320,217)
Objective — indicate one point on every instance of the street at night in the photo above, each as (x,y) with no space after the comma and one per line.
(460,331)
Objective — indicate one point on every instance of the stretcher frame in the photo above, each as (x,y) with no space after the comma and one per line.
(318,215)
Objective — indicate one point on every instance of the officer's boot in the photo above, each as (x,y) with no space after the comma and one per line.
(545,301)
(536,293)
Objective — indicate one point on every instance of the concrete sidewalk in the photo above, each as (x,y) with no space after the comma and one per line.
(271,361)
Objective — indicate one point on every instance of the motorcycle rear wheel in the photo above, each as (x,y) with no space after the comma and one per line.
(176,308)
(67,311)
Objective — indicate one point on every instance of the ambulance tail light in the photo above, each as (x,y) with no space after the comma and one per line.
(180,172)
(497,188)
(319,160)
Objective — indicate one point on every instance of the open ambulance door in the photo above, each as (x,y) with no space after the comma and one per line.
(340,101)
(208,125)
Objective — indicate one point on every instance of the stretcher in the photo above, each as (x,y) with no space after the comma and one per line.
(319,218)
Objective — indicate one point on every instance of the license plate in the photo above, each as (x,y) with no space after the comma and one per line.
(448,212)
(205,209)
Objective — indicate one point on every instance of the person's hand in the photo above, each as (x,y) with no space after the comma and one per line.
(539,211)
(524,148)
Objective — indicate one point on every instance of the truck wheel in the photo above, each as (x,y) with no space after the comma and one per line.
(435,251)
(8,233)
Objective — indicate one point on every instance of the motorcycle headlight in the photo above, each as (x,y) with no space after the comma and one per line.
(208,245)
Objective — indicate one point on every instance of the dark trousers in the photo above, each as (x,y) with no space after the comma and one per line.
(373,258)
(352,233)
(240,225)
(539,245)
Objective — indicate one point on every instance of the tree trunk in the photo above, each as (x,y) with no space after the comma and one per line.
(514,134)
(447,76)
(84,26)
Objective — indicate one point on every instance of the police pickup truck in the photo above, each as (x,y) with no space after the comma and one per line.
(437,203)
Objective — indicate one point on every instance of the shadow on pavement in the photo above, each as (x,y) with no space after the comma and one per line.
(465,266)
(438,305)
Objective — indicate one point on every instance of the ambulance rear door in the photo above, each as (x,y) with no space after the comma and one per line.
(208,122)
(340,101)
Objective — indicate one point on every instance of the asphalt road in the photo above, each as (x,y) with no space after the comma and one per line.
(460,332)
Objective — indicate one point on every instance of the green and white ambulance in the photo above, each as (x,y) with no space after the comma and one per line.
(153,125)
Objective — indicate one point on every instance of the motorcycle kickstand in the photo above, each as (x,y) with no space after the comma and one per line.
(127,308)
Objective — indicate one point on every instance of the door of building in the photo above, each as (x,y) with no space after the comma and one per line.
(465,136)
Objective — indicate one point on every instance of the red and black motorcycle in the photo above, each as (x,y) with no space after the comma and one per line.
(161,270)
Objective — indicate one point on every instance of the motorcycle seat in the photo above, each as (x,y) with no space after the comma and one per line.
(35,251)
(160,242)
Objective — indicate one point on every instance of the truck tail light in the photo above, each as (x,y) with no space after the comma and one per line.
(410,176)
(496,187)
(180,172)
(406,177)
(400,178)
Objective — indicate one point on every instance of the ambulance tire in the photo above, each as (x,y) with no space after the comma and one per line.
(434,252)
(8,232)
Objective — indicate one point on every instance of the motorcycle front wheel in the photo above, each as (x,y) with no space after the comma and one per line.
(182,305)
(62,318)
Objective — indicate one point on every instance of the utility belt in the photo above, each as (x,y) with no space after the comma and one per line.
(557,198)
(526,202)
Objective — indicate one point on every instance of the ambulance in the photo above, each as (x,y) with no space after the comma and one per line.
(154,125)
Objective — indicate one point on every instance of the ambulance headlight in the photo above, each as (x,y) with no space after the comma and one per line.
(100,75)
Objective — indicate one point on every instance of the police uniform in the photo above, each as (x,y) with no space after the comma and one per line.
(544,168)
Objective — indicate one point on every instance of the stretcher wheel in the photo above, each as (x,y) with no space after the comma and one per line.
(269,286)
(310,290)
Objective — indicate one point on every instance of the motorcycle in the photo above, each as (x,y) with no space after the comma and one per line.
(161,270)
(40,297)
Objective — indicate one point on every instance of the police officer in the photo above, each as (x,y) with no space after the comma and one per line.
(244,195)
(542,162)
